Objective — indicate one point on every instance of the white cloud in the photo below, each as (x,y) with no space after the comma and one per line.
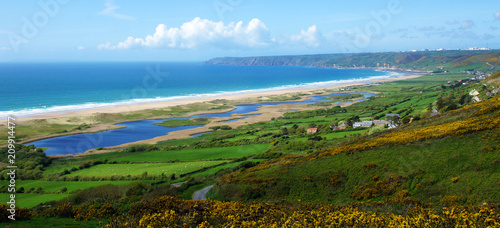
(110,11)
(497,15)
(81,48)
(4,48)
(312,37)
(201,33)
(467,24)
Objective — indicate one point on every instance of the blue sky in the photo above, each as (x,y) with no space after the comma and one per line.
(197,30)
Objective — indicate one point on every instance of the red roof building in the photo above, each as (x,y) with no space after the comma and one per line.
(312,130)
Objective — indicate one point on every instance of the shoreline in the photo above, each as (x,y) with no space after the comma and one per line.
(241,96)
(266,114)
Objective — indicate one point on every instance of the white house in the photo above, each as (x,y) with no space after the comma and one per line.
(473,92)
(362,124)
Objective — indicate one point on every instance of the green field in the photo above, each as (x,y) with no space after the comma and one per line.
(154,169)
(55,186)
(230,165)
(31,200)
(195,154)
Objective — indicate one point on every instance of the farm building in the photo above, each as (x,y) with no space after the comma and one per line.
(312,130)
(380,122)
(473,92)
(362,124)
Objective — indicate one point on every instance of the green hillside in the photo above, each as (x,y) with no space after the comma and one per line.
(445,160)
(454,61)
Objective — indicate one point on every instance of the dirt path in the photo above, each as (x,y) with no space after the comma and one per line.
(201,194)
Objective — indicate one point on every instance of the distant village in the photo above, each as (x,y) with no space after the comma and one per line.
(392,121)
(444,49)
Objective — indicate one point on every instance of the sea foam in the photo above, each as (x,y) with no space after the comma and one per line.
(64,109)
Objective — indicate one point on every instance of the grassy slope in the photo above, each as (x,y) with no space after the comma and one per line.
(426,167)
(494,79)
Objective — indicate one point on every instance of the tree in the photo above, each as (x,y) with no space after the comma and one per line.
(136,189)
(406,119)
(284,131)
(394,119)
(440,103)
(464,99)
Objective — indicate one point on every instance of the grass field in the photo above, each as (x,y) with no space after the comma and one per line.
(154,169)
(230,165)
(31,200)
(195,154)
(55,186)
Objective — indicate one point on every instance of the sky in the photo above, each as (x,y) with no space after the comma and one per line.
(198,30)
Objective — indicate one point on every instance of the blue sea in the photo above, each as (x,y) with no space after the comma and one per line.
(28,89)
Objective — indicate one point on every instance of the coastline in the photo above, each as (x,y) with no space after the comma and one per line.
(242,96)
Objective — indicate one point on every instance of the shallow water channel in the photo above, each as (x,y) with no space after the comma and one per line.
(146,129)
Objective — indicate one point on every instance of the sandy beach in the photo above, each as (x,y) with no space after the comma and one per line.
(138,107)
(265,113)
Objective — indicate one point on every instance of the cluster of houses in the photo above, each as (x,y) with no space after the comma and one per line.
(367,123)
(478,75)
(474,93)
(388,122)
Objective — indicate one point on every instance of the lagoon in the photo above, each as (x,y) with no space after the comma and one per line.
(145,129)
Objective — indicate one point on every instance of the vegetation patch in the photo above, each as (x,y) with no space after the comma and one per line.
(345,97)
(146,169)
(185,122)
(195,154)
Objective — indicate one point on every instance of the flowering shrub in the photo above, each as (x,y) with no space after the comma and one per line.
(385,187)
(191,213)
(20,213)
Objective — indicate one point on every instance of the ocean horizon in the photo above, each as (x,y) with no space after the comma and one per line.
(30,89)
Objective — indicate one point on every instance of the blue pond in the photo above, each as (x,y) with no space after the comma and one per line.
(144,129)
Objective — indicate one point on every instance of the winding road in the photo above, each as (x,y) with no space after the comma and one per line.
(201,194)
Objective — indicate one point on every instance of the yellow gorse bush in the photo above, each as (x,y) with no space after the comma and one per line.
(190,213)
